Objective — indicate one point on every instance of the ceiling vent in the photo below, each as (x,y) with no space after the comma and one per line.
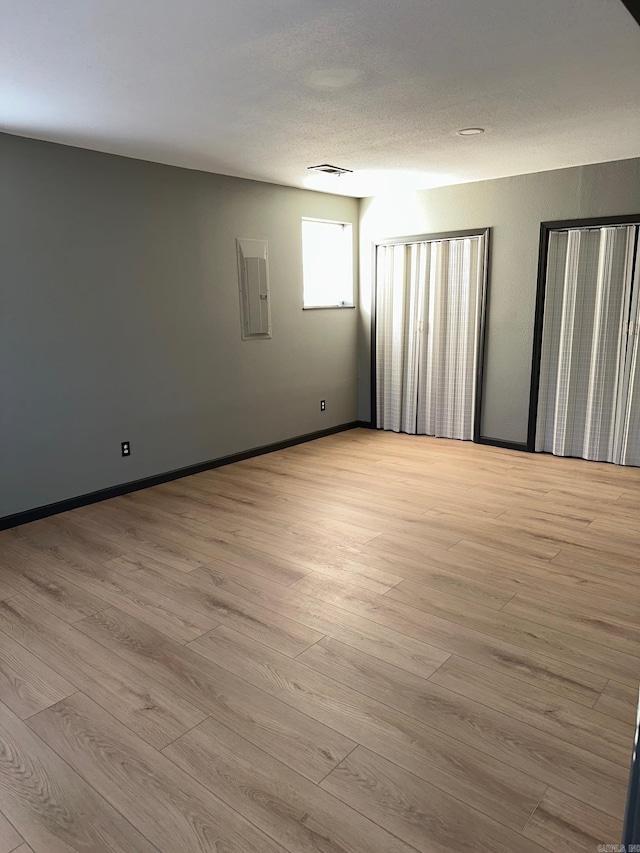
(329,170)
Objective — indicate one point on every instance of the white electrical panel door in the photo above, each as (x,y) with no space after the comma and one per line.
(253,280)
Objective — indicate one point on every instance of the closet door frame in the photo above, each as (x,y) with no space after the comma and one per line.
(543,253)
(484,295)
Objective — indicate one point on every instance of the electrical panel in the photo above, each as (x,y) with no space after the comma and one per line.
(253,281)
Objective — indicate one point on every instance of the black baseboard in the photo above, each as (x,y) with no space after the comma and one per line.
(135,485)
(365,425)
(506,445)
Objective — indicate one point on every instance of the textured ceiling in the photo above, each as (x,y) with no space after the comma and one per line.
(264,88)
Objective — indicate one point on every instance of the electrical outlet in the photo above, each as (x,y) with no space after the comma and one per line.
(323,405)
(126,448)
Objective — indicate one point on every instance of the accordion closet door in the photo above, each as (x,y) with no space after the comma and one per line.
(429,301)
(589,389)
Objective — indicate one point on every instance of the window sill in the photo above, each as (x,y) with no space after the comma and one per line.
(322,307)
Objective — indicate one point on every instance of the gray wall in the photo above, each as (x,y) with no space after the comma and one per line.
(514,208)
(119,320)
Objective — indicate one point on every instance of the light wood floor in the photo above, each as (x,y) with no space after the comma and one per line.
(372,643)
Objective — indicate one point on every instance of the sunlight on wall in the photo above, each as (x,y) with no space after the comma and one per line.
(394,213)
(364,183)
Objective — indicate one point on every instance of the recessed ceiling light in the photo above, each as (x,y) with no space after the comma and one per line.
(470,131)
(329,170)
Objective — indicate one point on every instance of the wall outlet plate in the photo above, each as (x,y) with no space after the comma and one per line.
(323,405)
(126,448)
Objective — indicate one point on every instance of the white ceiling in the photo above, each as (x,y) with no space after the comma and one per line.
(264,88)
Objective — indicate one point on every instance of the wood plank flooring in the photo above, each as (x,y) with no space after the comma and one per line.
(370,643)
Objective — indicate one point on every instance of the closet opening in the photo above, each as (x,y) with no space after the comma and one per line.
(585,382)
(430,294)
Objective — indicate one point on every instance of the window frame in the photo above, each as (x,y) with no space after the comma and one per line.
(338,305)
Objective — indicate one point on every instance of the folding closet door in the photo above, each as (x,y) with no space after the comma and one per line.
(429,297)
(584,368)
(449,351)
(628,440)
(400,284)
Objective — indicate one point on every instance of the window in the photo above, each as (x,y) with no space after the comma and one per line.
(327,264)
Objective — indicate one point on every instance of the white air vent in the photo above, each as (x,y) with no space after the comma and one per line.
(330,170)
